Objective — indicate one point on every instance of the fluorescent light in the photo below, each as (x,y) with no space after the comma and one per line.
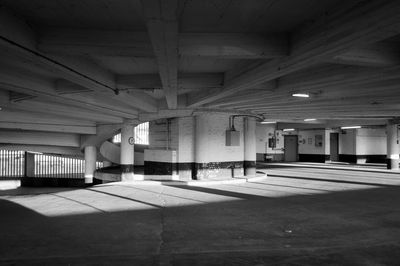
(309,119)
(302,95)
(350,127)
(268,122)
(289,129)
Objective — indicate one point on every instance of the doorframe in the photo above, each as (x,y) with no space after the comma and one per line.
(296,146)
(330,146)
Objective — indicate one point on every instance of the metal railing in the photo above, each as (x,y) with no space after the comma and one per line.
(60,166)
(12,163)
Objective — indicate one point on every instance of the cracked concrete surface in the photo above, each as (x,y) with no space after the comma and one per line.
(307,217)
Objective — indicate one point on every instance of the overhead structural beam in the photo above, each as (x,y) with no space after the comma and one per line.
(233,45)
(63,110)
(95,42)
(381,54)
(137,44)
(119,102)
(185,81)
(18,38)
(333,34)
(140,100)
(162,26)
(79,129)
(16,80)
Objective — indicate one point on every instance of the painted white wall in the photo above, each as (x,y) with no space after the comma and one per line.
(186,136)
(371,141)
(158,134)
(180,138)
(308,147)
(263,133)
(167,156)
(347,142)
(210,139)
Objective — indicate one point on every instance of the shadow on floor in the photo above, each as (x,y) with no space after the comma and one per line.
(353,227)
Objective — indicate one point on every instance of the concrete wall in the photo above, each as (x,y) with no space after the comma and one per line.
(186,139)
(363,145)
(174,135)
(371,141)
(263,133)
(210,139)
(213,159)
(308,150)
(347,142)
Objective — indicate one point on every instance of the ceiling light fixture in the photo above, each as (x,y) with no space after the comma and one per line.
(301,95)
(288,129)
(309,119)
(268,122)
(350,127)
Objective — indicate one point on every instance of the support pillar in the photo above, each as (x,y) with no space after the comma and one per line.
(90,163)
(249,146)
(29,164)
(392,158)
(127,151)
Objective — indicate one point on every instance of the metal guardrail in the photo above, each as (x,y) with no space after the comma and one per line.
(12,164)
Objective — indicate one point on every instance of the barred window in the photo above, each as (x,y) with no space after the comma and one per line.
(141,134)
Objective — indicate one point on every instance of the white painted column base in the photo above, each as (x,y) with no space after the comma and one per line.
(90,163)
(392,158)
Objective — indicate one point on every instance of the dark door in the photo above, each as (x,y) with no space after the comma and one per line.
(290,144)
(334,146)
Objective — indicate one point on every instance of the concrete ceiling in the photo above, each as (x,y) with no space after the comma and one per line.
(101,61)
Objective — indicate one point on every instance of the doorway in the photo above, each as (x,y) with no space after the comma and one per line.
(334,147)
(290,145)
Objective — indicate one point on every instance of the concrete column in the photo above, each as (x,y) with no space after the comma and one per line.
(90,163)
(249,146)
(127,151)
(392,158)
(29,164)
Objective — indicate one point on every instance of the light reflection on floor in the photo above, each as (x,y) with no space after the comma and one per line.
(281,182)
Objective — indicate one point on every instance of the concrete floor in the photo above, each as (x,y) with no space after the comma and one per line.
(297,216)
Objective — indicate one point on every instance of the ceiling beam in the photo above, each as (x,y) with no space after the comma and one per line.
(18,38)
(162,26)
(331,35)
(233,45)
(185,81)
(39,138)
(95,42)
(68,68)
(139,100)
(78,129)
(63,110)
(120,102)
(137,44)
(27,117)
(17,80)
(381,54)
